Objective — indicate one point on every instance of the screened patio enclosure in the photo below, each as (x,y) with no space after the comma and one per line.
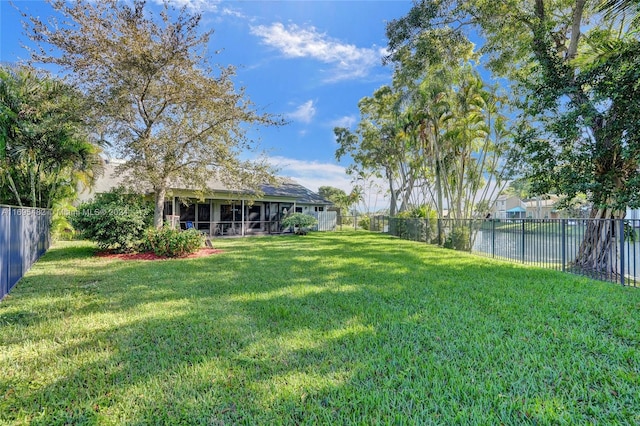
(238,217)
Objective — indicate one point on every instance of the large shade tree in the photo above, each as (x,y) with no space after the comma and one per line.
(45,151)
(575,71)
(168,112)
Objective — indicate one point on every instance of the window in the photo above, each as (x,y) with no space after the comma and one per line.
(285,208)
(204,212)
(187,213)
(168,208)
(254,216)
(319,208)
(230,213)
(204,216)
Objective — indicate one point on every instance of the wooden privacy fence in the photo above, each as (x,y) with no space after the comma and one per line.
(24,237)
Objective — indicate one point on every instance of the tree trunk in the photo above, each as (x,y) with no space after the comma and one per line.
(32,185)
(393,206)
(14,189)
(440,204)
(159,206)
(599,251)
(406,193)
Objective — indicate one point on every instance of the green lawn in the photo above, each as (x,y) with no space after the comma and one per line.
(329,328)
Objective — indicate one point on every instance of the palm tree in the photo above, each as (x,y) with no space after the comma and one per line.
(45,152)
(622,7)
(432,100)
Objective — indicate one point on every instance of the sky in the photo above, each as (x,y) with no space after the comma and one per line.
(309,62)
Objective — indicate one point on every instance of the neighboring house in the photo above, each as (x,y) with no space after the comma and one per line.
(542,207)
(227,211)
(512,207)
(508,207)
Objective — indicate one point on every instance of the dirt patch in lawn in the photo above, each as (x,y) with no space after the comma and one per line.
(203,252)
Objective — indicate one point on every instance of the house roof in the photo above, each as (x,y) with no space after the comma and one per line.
(290,188)
(517,209)
(287,187)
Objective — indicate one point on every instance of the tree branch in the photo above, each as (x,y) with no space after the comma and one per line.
(575,30)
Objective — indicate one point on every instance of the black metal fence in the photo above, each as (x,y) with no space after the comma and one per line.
(24,237)
(608,250)
(376,223)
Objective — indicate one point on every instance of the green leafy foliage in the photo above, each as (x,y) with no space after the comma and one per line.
(61,228)
(364,222)
(442,137)
(417,224)
(172,242)
(114,220)
(300,221)
(459,238)
(573,70)
(339,198)
(45,152)
(423,211)
(171,113)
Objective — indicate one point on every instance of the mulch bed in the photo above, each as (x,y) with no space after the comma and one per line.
(203,252)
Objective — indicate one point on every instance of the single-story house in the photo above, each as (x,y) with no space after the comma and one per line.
(228,211)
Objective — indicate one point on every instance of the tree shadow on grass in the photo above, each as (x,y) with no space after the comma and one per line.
(312,330)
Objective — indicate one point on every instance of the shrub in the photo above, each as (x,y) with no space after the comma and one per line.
(345,220)
(114,220)
(418,224)
(301,221)
(365,222)
(61,228)
(459,238)
(173,242)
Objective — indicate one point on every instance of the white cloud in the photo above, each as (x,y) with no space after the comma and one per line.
(347,121)
(348,60)
(235,13)
(197,5)
(313,174)
(304,112)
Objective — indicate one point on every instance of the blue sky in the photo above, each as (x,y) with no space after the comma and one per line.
(308,61)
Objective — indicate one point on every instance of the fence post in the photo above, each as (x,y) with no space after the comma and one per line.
(5,226)
(493,238)
(564,243)
(621,251)
(523,242)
